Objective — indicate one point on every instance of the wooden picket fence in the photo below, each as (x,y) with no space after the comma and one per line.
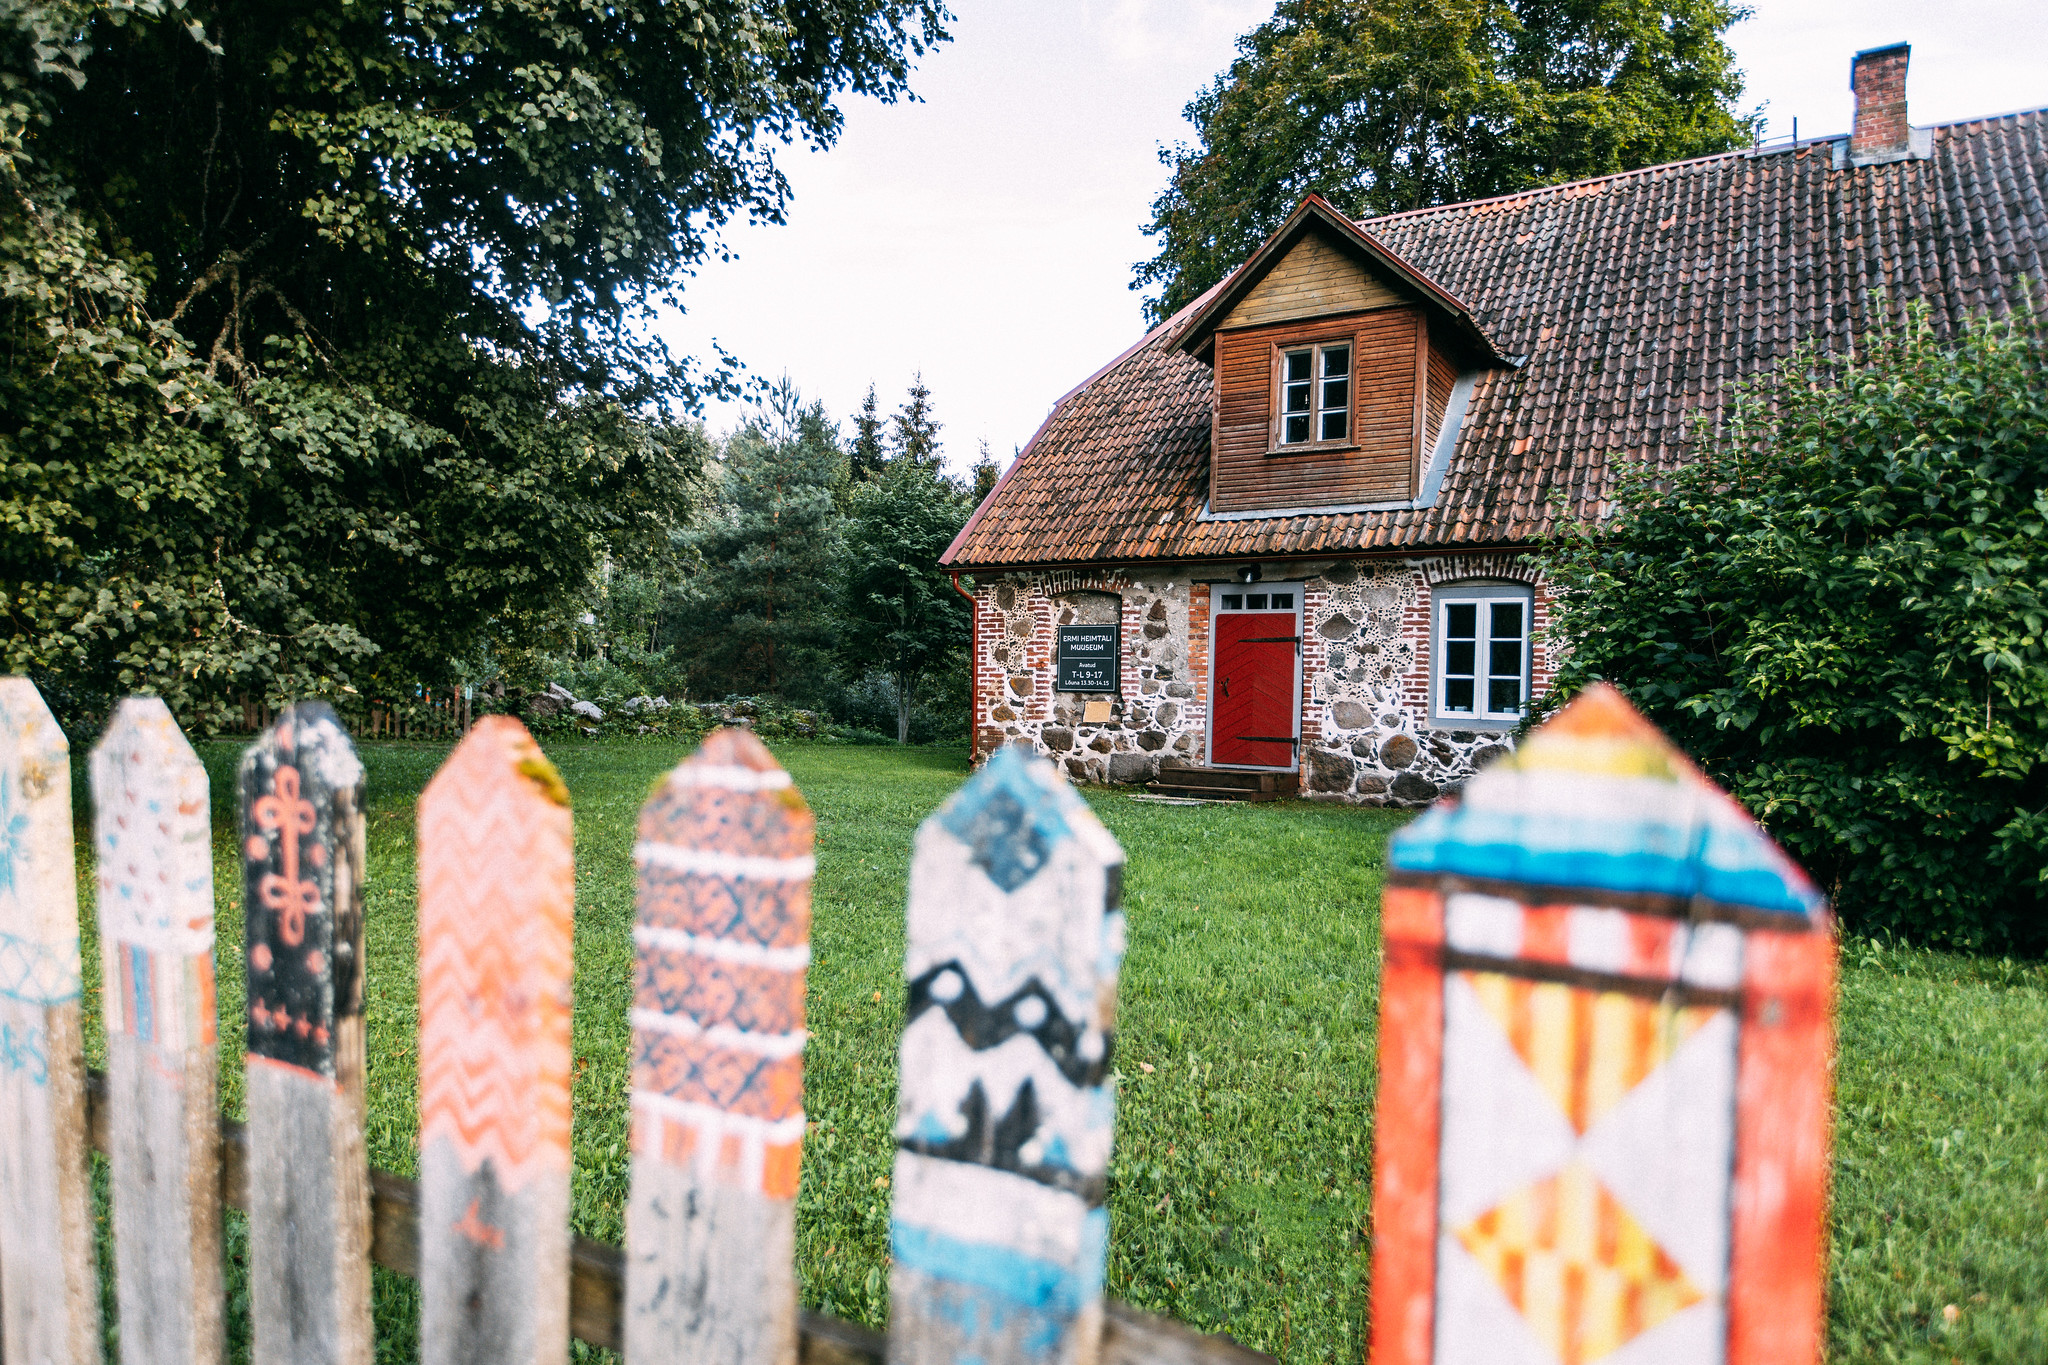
(998,1230)
(423,713)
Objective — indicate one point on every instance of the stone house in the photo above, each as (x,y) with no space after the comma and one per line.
(1288,534)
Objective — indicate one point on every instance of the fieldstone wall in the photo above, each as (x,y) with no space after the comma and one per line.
(1366,735)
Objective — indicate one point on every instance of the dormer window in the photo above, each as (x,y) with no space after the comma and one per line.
(1315,395)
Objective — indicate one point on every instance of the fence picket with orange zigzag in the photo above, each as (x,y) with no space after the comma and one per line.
(496,922)
(722,940)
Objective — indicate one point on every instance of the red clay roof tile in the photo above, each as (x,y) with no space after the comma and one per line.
(1638,301)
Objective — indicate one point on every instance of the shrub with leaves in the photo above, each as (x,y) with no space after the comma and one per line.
(1840,609)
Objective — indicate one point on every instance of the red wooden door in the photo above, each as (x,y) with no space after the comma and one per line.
(1253,709)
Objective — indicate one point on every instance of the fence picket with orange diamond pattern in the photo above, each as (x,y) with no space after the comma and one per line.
(721,945)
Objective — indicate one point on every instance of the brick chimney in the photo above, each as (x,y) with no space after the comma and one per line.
(1878,77)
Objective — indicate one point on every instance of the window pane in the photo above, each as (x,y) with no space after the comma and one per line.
(1336,393)
(1504,658)
(1458,656)
(1256,602)
(1336,360)
(1458,695)
(1461,620)
(1232,601)
(1504,694)
(1283,601)
(1297,397)
(1298,365)
(1507,621)
(1297,429)
(1335,425)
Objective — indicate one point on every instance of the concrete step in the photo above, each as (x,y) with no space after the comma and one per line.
(1211,793)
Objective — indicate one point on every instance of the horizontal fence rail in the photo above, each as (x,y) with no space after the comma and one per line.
(999,1231)
(597,1275)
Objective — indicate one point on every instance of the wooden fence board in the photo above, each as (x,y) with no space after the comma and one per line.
(496,924)
(998,1233)
(722,943)
(49,1294)
(597,1276)
(152,840)
(1604,1048)
(309,1215)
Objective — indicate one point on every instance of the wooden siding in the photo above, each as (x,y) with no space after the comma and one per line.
(1379,467)
(1443,374)
(1313,280)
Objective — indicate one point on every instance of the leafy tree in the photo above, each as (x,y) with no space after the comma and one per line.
(914,436)
(755,612)
(1841,610)
(901,613)
(1384,105)
(323,349)
(867,454)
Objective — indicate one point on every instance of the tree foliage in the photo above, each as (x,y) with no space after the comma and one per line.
(914,432)
(754,610)
(324,355)
(1384,105)
(1841,610)
(902,614)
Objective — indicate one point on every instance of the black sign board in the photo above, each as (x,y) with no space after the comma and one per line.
(1088,659)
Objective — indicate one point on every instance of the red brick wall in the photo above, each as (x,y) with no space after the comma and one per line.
(1879,80)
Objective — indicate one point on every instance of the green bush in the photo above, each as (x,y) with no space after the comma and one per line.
(1839,610)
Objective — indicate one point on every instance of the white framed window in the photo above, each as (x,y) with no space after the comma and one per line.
(1315,394)
(1480,655)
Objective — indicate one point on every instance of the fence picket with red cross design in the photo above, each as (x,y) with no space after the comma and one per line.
(301,790)
(152,838)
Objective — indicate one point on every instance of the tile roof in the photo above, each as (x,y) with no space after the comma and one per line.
(1637,299)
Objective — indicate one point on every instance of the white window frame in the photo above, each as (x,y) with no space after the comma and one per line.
(1317,381)
(1483,596)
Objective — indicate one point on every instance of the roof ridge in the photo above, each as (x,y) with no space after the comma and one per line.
(1533,191)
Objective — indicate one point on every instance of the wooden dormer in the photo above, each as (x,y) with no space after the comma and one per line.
(1336,365)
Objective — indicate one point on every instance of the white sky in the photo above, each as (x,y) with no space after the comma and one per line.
(986,235)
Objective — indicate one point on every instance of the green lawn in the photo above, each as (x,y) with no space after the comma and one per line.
(1241,1186)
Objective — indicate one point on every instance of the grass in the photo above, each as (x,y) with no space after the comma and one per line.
(1240,1189)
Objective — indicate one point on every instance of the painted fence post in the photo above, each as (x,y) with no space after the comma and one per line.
(1604,1040)
(49,1296)
(309,1205)
(496,924)
(998,1234)
(153,842)
(721,945)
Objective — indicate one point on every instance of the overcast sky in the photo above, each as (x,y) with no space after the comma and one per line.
(985,237)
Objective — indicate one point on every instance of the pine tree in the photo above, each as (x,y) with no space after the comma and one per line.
(867,454)
(984,474)
(902,615)
(756,615)
(915,435)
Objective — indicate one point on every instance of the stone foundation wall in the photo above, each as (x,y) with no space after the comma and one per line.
(1365,733)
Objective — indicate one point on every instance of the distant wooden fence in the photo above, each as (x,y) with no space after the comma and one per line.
(417,713)
(998,1234)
